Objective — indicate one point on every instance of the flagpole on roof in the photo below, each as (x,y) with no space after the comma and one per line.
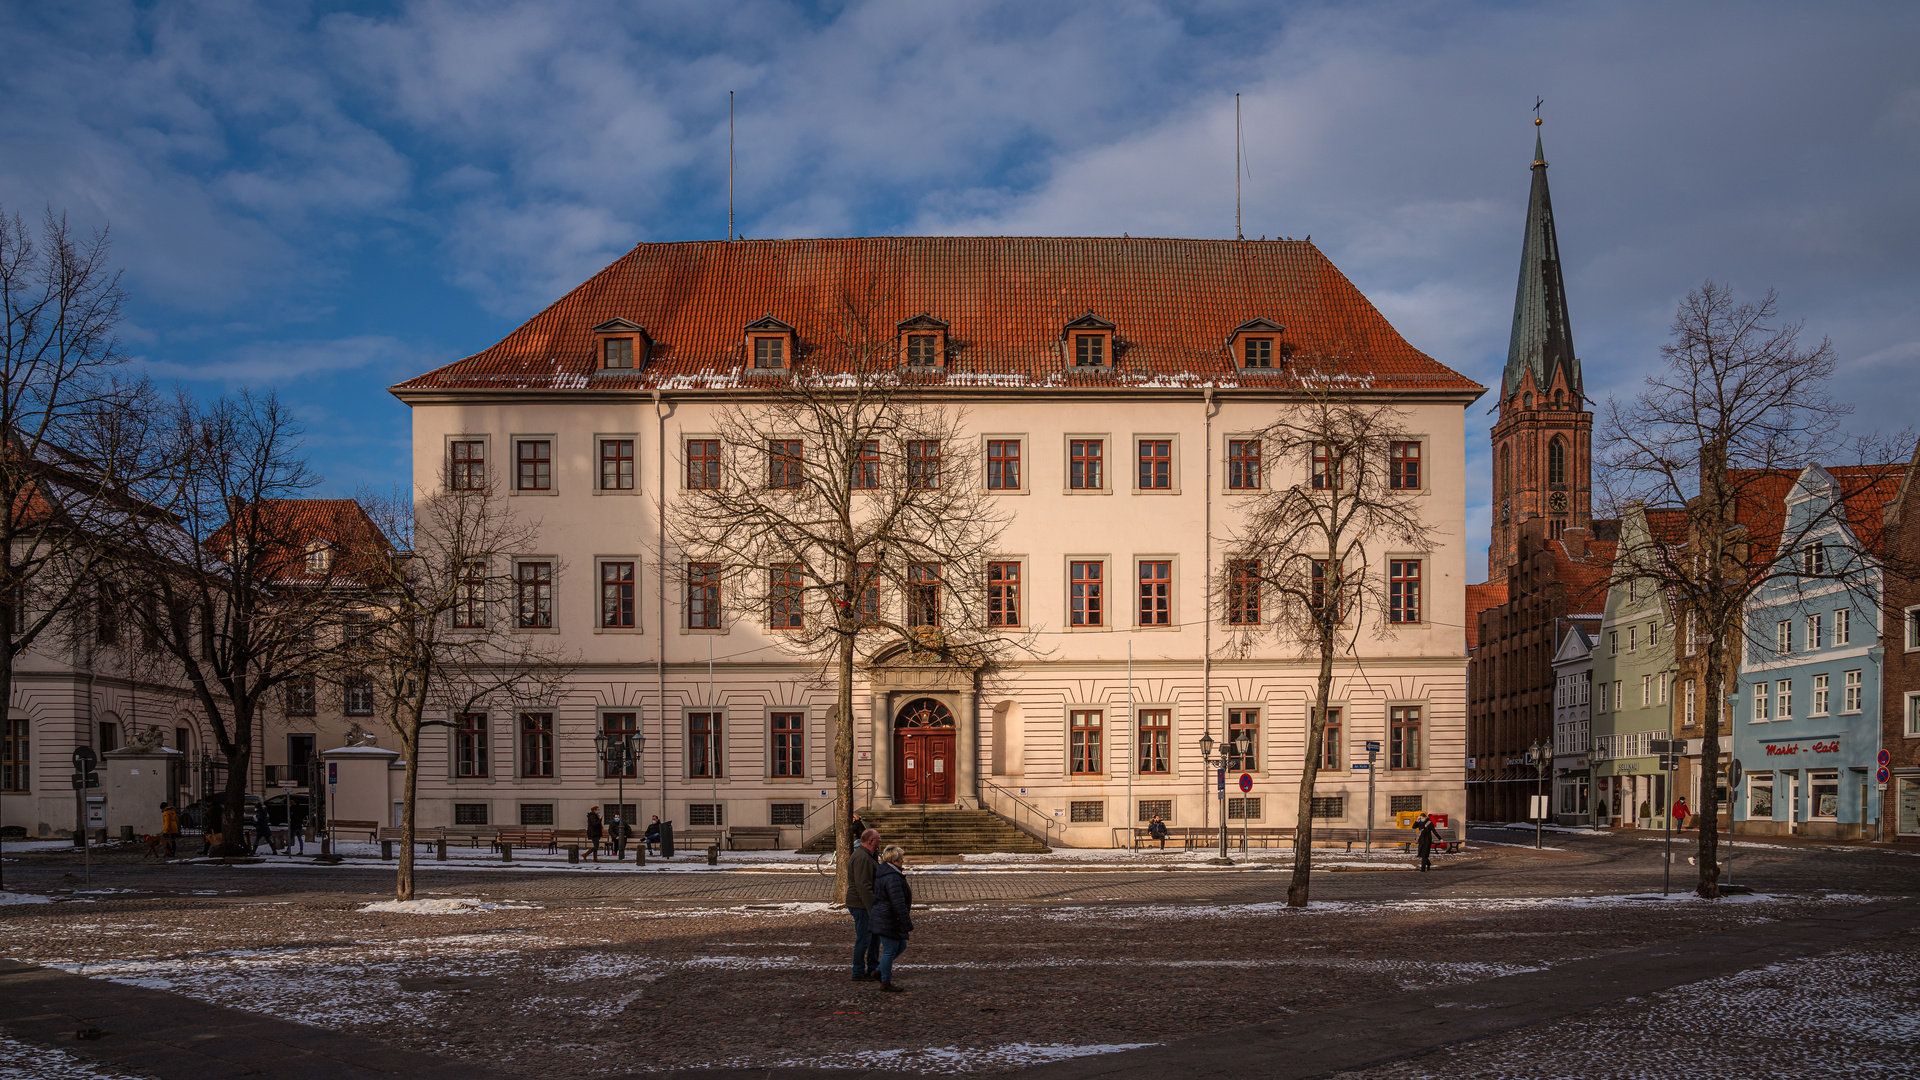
(729,165)
(1237,234)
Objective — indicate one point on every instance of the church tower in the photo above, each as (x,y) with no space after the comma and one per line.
(1543,440)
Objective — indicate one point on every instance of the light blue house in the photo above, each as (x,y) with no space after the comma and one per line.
(1806,725)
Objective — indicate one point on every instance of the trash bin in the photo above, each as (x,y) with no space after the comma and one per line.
(666,839)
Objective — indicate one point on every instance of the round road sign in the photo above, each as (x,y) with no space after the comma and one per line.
(1246,782)
(1734,772)
(1881,774)
(1885,760)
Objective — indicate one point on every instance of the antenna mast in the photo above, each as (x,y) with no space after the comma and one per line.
(729,165)
(1237,234)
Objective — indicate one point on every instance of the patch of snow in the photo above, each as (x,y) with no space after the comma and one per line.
(27,1061)
(7,898)
(953,1059)
(445,907)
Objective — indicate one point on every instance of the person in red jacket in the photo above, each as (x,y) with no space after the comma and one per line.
(1680,812)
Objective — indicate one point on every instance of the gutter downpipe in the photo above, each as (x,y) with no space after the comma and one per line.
(1206,544)
(661,410)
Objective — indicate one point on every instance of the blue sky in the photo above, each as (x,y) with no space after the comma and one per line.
(328,198)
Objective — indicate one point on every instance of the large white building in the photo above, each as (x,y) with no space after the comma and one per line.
(1165,353)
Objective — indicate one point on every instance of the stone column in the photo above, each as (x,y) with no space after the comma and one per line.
(882,724)
(967,785)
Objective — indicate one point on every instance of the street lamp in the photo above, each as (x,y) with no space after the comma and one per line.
(619,752)
(1540,755)
(1242,746)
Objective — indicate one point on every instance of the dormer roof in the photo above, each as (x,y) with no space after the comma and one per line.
(923,322)
(1089,321)
(619,326)
(1259,326)
(767,323)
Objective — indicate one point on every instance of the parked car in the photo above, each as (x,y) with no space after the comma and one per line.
(278,805)
(192,815)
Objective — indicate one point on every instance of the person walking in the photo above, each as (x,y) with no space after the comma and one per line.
(617,835)
(1425,838)
(861,868)
(1681,813)
(651,837)
(262,830)
(593,831)
(1158,830)
(170,828)
(892,917)
(296,826)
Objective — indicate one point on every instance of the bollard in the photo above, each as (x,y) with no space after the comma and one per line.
(386,849)
(126,834)
(326,845)
(506,852)
(641,858)
(713,854)
(440,850)
(573,853)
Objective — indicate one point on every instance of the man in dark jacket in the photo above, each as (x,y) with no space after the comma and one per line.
(262,830)
(892,915)
(1425,838)
(617,836)
(860,873)
(594,830)
(1158,830)
(296,825)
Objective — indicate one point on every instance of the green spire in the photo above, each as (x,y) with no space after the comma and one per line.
(1542,339)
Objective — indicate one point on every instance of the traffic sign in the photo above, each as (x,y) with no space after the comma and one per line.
(1246,783)
(1373,746)
(1734,773)
(1361,766)
(1223,779)
(86,780)
(1669,762)
(1660,746)
(1881,774)
(1885,760)
(84,759)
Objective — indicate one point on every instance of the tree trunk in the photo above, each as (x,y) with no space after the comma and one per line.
(403,881)
(1712,699)
(843,838)
(1309,772)
(234,826)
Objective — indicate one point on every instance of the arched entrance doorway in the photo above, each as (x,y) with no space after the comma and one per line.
(924,760)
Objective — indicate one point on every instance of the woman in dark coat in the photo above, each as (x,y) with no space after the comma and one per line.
(1426,842)
(892,917)
(593,832)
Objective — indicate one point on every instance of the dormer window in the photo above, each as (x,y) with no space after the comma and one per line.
(770,344)
(1255,345)
(923,341)
(622,345)
(319,557)
(1088,341)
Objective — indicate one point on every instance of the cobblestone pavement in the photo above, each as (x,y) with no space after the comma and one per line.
(593,975)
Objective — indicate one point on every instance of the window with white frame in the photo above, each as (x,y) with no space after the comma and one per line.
(1813,559)
(1762,697)
(1783,637)
(1663,689)
(1653,635)
(1633,639)
(1913,628)
(1690,703)
(1913,716)
(1613,643)
(1842,632)
(1646,690)
(1693,632)
(1619,695)
(1816,632)
(1586,686)
(1850,690)
(1783,699)
(1600,703)
(1822,694)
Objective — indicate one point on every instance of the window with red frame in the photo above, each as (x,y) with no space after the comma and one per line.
(1084,725)
(866,604)
(863,472)
(923,594)
(1156,593)
(1243,593)
(923,463)
(1087,581)
(703,596)
(1086,457)
(1403,590)
(619,725)
(703,464)
(789,745)
(1156,464)
(1003,594)
(470,598)
(785,587)
(470,744)
(1243,722)
(536,744)
(1243,465)
(703,745)
(468,470)
(535,463)
(1404,471)
(784,458)
(534,584)
(1156,741)
(616,464)
(1328,467)
(616,595)
(1403,748)
(1003,464)
(1330,745)
(1326,587)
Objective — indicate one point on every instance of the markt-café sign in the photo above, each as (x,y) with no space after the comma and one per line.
(1782,749)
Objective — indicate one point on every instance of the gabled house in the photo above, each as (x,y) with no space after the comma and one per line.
(1633,679)
(1573,729)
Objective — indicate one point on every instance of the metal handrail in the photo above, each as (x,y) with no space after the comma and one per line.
(808,831)
(1047,823)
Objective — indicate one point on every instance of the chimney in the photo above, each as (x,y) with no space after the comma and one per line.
(1575,541)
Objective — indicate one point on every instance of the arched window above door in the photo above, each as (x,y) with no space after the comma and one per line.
(923,713)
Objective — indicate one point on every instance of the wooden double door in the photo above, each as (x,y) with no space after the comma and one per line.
(924,760)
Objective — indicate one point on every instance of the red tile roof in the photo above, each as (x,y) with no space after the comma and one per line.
(1762,508)
(1480,597)
(1586,578)
(288,526)
(1175,303)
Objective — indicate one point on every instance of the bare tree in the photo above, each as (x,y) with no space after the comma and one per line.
(848,518)
(241,608)
(445,621)
(1302,563)
(1740,404)
(75,434)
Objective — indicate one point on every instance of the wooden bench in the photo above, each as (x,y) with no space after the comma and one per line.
(770,834)
(420,835)
(1191,837)
(473,834)
(354,828)
(1385,836)
(701,836)
(523,838)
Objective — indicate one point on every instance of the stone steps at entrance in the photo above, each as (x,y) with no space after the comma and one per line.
(943,831)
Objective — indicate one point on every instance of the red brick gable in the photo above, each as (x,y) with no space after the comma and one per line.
(1175,304)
